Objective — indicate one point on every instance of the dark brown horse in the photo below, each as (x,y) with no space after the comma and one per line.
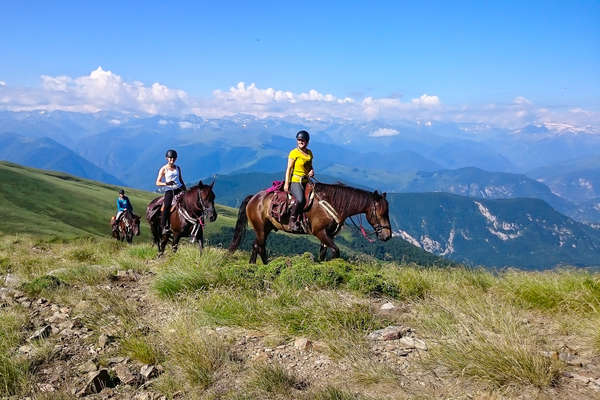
(187,218)
(128,226)
(331,205)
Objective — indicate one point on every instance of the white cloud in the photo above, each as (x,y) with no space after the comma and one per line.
(115,122)
(385,132)
(103,90)
(426,101)
(521,100)
(185,125)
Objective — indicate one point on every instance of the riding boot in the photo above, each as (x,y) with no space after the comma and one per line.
(294,224)
(165,222)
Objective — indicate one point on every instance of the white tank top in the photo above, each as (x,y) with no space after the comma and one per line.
(173,176)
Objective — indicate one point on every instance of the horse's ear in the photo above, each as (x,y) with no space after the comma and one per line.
(376,193)
(384,193)
(200,183)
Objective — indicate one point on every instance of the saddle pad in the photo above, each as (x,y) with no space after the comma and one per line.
(279,205)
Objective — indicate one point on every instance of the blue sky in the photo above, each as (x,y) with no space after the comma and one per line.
(465,53)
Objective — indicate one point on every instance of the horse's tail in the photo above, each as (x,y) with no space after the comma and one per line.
(240,225)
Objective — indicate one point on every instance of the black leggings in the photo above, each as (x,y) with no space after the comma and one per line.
(168,199)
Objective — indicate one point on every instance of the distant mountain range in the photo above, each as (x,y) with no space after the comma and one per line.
(577,179)
(46,153)
(527,233)
(403,156)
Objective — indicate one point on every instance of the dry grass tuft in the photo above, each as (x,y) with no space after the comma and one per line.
(482,339)
(273,378)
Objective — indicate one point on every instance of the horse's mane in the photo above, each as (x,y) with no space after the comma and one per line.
(343,197)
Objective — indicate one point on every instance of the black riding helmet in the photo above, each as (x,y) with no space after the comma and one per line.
(303,135)
(171,154)
(121,191)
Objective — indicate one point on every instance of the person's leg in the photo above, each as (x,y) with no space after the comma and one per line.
(297,190)
(116,223)
(167,208)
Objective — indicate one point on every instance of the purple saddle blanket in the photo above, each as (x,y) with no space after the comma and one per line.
(277,186)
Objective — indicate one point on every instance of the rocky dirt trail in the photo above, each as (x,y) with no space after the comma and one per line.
(75,357)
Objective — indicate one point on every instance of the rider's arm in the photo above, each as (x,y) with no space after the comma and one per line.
(181,179)
(288,173)
(161,174)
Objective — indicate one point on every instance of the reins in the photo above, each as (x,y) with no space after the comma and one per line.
(359,227)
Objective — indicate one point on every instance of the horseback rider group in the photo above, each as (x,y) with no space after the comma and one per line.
(299,169)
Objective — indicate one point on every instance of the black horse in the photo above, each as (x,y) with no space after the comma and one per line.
(127,227)
(187,217)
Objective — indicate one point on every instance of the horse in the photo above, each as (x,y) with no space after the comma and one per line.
(128,226)
(187,217)
(329,208)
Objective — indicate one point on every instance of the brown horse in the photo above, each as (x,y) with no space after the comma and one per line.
(187,216)
(128,226)
(331,205)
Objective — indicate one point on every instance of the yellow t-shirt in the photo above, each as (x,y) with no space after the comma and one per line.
(302,165)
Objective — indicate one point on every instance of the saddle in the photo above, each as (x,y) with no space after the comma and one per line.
(281,201)
(157,205)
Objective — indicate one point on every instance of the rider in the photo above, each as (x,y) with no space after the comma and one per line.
(174,181)
(299,169)
(123,204)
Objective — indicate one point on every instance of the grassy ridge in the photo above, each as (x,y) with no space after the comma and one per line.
(59,205)
(55,205)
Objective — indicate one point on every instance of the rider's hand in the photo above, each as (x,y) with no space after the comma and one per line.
(311,173)
(286,187)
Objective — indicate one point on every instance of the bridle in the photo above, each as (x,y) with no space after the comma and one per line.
(377,228)
(205,210)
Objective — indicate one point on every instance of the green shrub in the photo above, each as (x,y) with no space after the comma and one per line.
(373,284)
(41,284)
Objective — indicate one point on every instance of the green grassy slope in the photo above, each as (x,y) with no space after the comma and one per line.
(58,205)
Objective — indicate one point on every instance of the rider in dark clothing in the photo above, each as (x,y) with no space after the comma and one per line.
(123,204)
(169,175)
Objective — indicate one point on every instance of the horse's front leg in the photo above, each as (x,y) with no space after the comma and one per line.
(327,242)
(162,243)
(176,237)
(199,238)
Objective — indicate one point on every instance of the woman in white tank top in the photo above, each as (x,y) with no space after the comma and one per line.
(169,175)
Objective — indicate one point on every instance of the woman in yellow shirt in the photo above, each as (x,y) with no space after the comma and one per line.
(299,169)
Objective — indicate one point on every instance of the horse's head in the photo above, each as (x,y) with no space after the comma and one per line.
(206,200)
(378,216)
